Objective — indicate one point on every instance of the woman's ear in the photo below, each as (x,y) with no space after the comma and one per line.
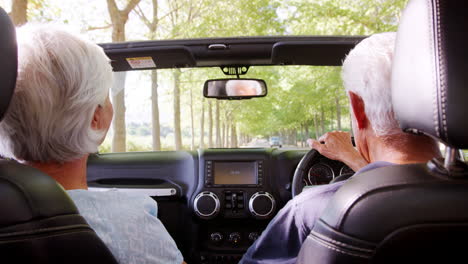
(357,104)
(96,122)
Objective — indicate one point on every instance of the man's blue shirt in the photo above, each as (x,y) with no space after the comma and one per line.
(284,235)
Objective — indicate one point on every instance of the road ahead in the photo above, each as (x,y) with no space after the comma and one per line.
(263,143)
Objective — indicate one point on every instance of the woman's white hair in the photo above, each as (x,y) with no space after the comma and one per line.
(367,72)
(61,80)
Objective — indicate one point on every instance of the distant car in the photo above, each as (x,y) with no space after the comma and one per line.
(275,141)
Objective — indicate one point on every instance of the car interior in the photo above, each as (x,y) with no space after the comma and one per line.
(407,212)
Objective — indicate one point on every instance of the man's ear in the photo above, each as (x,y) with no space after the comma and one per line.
(96,122)
(357,104)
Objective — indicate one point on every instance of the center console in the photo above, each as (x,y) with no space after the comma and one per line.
(233,203)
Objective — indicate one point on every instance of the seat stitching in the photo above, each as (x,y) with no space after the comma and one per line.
(442,71)
(339,250)
(340,243)
(434,78)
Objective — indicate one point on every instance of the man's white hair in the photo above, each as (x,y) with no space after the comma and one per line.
(367,72)
(61,80)
(232,86)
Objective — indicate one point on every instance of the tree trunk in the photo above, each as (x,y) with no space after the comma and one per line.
(322,120)
(316,128)
(119,19)
(307,133)
(202,125)
(119,141)
(294,136)
(218,125)
(223,134)
(152,26)
(302,135)
(118,124)
(233,135)
(226,136)
(19,12)
(155,111)
(177,129)
(338,112)
(192,128)
(210,125)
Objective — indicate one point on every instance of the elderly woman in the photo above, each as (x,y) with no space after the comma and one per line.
(60,113)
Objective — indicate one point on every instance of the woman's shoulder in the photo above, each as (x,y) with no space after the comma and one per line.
(113,199)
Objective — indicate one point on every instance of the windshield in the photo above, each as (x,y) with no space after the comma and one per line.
(166,110)
(119,20)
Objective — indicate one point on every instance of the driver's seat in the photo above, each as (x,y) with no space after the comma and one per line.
(411,213)
(39,223)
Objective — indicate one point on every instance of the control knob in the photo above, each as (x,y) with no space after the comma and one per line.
(262,205)
(206,205)
(253,236)
(234,238)
(216,237)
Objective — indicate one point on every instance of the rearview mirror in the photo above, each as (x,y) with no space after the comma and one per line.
(234,89)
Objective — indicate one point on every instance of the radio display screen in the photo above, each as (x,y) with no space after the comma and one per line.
(235,172)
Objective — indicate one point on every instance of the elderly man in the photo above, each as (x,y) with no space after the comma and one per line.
(243,88)
(59,114)
(366,75)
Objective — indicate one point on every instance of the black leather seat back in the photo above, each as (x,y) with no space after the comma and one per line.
(392,215)
(39,223)
(410,213)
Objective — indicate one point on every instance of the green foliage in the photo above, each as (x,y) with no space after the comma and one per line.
(343,17)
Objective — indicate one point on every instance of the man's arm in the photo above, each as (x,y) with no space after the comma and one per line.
(281,241)
(337,145)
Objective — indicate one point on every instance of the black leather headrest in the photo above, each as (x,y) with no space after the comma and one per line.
(9,61)
(430,70)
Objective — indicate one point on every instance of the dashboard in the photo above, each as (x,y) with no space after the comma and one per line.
(214,202)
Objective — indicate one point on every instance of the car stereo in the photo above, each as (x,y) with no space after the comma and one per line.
(233,173)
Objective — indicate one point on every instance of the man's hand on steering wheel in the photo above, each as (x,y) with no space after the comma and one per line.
(337,145)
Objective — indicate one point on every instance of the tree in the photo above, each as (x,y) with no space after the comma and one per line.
(156,126)
(19,10)
(119,18)
(177,130)
(218,125)
(210,125)
(233,136)
(152,25)
(202,125)
(192,127)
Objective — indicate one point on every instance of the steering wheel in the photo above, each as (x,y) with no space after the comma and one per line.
(312,157)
